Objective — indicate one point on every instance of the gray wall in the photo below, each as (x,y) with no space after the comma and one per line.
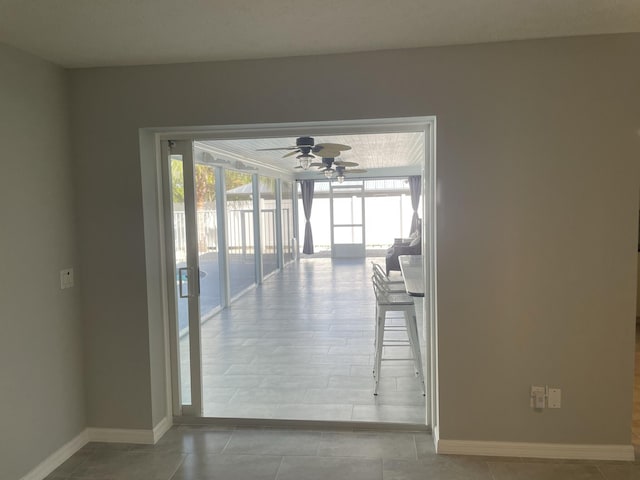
(537,216)
(41,373)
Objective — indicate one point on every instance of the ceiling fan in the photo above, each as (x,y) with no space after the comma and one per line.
(328,164)
(307,150)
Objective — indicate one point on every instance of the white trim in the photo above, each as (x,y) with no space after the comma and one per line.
(110,435)
(171,396)
(165,258)
(430,239)
(58,457)
(535,450)
(424,124)
(161,428)
(295,129)
(435,433)
(316,425)
(120,435)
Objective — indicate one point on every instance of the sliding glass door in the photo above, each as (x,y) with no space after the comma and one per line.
(224,235)
(207,231)
(184,274)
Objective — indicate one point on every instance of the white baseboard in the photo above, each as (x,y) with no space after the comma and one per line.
(110,435)
(535,450)
(58,457)
(435,433)
(161,428)
(120,435)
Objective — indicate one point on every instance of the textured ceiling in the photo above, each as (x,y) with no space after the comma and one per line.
(370,151)
(82,33)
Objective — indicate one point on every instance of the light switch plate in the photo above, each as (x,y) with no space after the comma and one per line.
(537,397)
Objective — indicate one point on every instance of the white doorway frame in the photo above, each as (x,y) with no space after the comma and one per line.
(155,248)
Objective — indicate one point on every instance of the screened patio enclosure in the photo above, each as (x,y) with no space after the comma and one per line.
(236,222)
(387,213)
(277,246)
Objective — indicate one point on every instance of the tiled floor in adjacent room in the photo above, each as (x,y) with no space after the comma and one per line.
(209,453)
(300,346)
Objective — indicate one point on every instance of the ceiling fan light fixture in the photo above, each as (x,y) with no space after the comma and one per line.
(328,173)
(305,160)
(340,178)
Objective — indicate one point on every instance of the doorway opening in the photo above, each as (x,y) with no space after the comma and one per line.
(238,267)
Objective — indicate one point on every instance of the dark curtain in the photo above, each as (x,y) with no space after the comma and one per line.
(415,185)
(307,199)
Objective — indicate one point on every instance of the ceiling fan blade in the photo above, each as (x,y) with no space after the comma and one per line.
(328,153)
(291,153)
(278,148)
(321,147)
(342,163)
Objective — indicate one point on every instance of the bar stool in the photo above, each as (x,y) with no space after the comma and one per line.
(388,301)
(395,286)
(391,286)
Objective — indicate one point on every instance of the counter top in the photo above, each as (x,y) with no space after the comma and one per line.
(412,267)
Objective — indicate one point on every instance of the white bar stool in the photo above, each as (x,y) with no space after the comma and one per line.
(395,286)
(388,300)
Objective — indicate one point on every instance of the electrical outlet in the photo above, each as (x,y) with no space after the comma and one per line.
(555,397)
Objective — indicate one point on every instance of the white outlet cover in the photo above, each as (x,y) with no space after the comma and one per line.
(555,398)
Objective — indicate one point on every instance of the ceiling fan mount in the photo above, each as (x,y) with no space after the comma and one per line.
(305,142)
(331,166)
(330,162)
(306,150)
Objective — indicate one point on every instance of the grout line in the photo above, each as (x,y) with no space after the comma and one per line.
(279,467)
(600,472)
(235,429)
(317,454)
(491,473)
(415,445)
(184,456)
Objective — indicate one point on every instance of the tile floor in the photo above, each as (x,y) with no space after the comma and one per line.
(300,346)
(211,453)
(220,453)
